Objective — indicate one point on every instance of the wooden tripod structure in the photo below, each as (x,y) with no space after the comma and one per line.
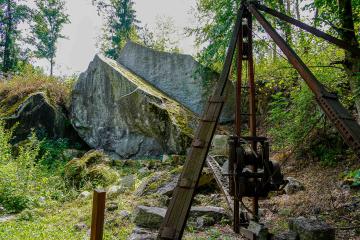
(178,210)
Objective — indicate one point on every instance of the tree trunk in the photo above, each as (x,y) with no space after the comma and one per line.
(7,61)
(51,67)
(351,62)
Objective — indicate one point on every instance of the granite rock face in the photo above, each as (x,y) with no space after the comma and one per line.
(178,75)
(36,112)
(118,111)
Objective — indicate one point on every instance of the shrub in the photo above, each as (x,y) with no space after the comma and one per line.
(93,168)
(23,179)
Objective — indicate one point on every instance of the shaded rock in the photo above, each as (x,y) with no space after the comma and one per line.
(259,230)
(124,214)
(149,217)
(143,170)
(80,226)
(118,111)
(115,190)
(169,187)
(220,159)
(36,112)
(144,185)
(84,195)
(293,186)
(217,213)
(111,206)
(204,221)
(152,217)
(2,209)
(128,182)
(142,234)
(288,235)
(179,75)
(311,229)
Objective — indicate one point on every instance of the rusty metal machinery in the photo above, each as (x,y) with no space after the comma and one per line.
(251,173)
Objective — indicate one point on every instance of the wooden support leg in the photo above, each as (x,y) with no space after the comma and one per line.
(98,213)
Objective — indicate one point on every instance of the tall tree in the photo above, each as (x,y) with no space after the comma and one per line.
(49,20)
(121,24)
(343,18)
(12,13)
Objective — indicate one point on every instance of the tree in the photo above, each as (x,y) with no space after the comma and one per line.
(121,24)
(343,18)
(163,38)
(49,20)
(12,13)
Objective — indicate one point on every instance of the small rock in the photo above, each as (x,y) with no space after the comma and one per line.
(124,214)
(204,221)
(311,229)
(168,188)
(2,209)
(111,206)
(259,230)
(149,217)
(115,190)
(142,234)
(208,211)
(80,226)
(84,195)
(288,235)
(42,199)
(143,170)
(293,186)
(165,158)
(128,182)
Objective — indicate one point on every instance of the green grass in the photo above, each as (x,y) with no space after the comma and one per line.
(57,222)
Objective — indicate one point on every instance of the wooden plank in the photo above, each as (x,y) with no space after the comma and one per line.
(180,203)
(98,213)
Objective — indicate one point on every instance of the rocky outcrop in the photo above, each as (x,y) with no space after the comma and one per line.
(179,75)
(120,112)
(36,112)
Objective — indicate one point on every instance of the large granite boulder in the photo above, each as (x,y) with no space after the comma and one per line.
(118,111)
(179,75)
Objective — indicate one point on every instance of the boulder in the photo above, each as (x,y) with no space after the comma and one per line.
(311,229)
(35,112)
(128,182)
(179,75)
(120,112)
(293,186)
(38,113)
(149,217)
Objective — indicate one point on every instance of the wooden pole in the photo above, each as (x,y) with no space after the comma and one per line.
(98,213)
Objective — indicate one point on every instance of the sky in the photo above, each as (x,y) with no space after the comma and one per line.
(75,53)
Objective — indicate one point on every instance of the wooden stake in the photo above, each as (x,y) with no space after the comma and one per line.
(98,213)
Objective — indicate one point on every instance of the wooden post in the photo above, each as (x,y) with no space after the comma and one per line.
(98,212)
